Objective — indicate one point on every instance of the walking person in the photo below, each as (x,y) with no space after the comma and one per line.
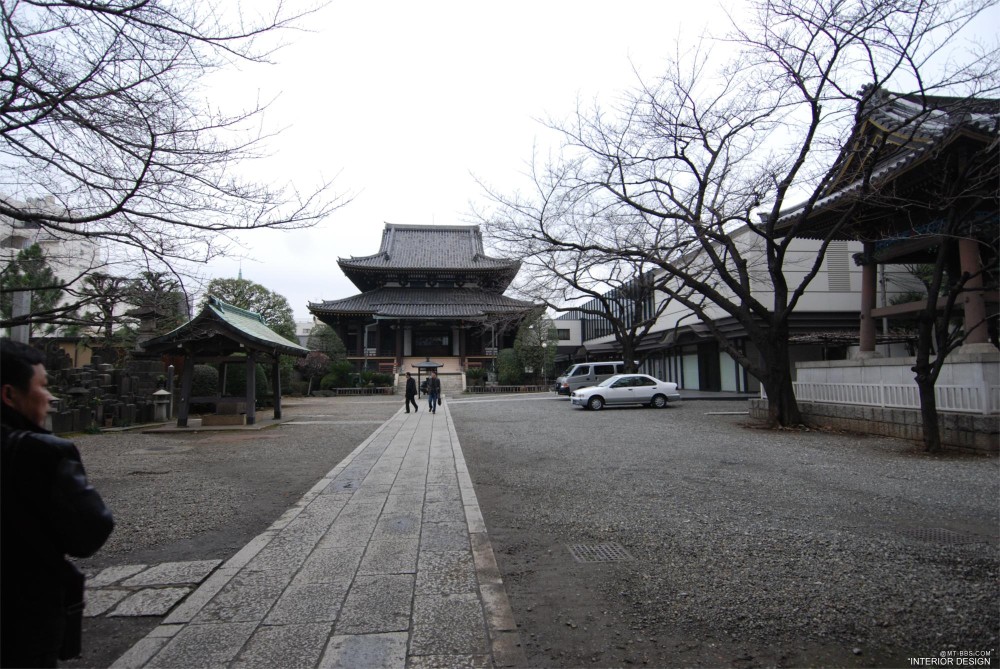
(411,393)
(47,510)
(434,391)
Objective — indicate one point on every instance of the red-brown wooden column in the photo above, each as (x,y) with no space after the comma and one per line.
(972,298)
(869,292)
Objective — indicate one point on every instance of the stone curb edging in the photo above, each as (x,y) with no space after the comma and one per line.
(505,639)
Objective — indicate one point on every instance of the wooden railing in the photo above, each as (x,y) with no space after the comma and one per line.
(506,389)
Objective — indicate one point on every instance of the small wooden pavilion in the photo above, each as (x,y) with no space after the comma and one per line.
(917,170)
(222,334)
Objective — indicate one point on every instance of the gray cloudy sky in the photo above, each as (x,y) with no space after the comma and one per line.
(403,102)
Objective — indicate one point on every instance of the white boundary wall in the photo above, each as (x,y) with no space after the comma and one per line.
(969,383)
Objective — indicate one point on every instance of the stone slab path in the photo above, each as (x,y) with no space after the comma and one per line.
(385,562)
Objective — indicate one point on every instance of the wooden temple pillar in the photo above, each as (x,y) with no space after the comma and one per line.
(187,382)
(869,293)
(342,333)
(973,301)
(399,345)
(251,396)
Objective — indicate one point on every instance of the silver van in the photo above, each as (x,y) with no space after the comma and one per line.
(586,374)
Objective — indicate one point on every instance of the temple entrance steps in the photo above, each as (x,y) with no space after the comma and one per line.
(451,384)
(449,364)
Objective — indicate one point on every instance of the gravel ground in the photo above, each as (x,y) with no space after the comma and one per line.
(748,547)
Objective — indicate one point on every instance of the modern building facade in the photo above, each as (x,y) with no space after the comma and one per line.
(917,172)
(429,293)
(69,257)
(680,348)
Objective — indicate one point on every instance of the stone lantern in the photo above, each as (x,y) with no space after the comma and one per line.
(161,405)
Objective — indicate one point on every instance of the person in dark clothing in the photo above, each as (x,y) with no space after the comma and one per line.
(433,391)
(411,393)
(47,510)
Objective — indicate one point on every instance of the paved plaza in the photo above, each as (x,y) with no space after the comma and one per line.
(384,562)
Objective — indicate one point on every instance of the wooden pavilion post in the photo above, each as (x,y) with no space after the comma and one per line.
(187,382)
(276,386)
(251,395)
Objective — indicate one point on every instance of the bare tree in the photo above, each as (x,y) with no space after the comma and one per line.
(974,176)
(574,273)
(694,171)
(107,133)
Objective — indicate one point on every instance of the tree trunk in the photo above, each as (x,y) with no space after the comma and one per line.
(926,370)
(929,418)
(782,408)
(928,409)
(628,355)
(309,388)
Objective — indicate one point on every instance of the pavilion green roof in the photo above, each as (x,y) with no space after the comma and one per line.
(219,322)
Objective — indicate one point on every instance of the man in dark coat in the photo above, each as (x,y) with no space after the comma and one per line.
(411,393)
(48,510)
(434,391)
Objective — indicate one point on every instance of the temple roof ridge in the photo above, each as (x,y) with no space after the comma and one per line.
(225,307)
(408,249)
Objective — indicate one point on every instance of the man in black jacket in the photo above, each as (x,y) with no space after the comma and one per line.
(47,510)
(411,393)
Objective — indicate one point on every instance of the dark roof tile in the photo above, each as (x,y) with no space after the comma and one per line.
(404,303)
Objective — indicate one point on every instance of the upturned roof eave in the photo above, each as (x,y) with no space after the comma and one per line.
(211,317)
(500,266)
(899,165)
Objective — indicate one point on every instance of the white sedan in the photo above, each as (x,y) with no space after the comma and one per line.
(626,389)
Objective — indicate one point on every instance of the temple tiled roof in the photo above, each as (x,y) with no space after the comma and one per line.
(421,250)
(422,303)
(902,131)
(220,319)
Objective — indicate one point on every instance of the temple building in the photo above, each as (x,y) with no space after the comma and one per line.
(429,294)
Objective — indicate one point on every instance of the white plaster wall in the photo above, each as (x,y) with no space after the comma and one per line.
(971,370)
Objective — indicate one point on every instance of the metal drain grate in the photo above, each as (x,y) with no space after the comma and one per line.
(599,553)
(939,535)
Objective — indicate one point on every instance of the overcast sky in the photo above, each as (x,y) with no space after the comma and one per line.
(404,102)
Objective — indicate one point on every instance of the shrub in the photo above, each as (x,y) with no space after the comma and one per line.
(383,380)
(296,388)
(236,381)
(341,375)
(474,376)
(510,372)
(205,381)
